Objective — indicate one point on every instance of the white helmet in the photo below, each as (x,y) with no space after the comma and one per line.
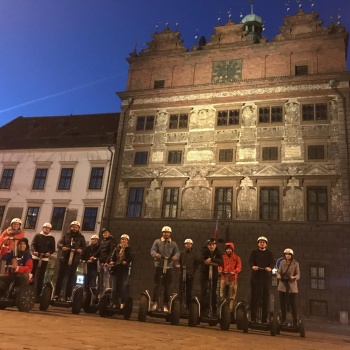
(288,251)
(19,221)
(188,240)
(47,224)
(166,229)
(262,238)
(94,237)
(125,236)
(75,223)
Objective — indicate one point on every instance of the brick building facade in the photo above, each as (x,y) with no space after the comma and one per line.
(250,132)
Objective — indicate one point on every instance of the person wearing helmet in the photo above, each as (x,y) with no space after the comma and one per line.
(261,262)
(18,266)
(43,244)
(13,232)
(120,262)
(107,245)
(188,259)
(73,239)
(91,263)
(232,266)
(210,256)
(162,248)
(287,275)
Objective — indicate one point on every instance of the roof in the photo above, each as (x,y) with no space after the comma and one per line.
(88,130)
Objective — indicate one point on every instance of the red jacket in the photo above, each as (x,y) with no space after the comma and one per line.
(231,264)
(6,246)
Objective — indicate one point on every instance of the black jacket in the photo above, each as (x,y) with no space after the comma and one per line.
(88,252)
(43,244)
(106,248)
(216,258)
(189,259)
(261,258)
(72,240)
(115,257)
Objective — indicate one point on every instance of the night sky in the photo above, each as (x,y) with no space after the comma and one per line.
(68,57)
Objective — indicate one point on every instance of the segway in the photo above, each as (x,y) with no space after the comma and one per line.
(244,321)
(47,294)
(223,316)
(91,294)
(106,306)
(22,297)
(184,310)
(226,293)
(174,310)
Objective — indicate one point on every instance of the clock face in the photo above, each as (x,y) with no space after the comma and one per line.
(224,71)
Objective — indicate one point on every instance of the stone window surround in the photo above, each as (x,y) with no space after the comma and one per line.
(270,144)
(270,105)
(226,145)
(318,142)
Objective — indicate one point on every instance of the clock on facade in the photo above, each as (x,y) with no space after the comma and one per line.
(228,70)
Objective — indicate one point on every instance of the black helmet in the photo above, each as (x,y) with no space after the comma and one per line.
(23,240)
(211,240)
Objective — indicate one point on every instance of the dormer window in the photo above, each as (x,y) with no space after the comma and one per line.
(302,70)
(159,84)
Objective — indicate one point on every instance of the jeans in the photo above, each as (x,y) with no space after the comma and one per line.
(162,280)
(260,295)
(120,284)
(284,303)
(71,278)
(38,275)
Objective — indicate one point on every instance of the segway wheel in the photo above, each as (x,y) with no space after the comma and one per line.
(103,305)
(225,319)
(193,316)
(143,308)
(25,298)
(88,308)
(2,307)
(77,301)
(242,319)
(175,312)
(279,323)
(45,298)
(273,324)
(302,327)
(127,311)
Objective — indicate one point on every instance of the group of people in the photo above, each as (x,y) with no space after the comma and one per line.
(113,260)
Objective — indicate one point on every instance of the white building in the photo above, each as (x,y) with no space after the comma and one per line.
(56,169)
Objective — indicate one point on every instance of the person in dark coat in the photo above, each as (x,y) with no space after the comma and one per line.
(73,239)
(261,262)
(211,256)
(43,244)
(91,263)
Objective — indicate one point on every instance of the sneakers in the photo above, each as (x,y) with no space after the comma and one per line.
(165,308)
(55,298)
(154,306)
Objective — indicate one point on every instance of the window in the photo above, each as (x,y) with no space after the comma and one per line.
(228,117)
(141,158)
(269,203)
(317,277)
(65,179)
(273,114)
(317,203)
(31,218)
(96,178)
(2,212)
(89,220)
(223,203)
(40,179)
(170,202)
(6,179)
(314,112)
(318,308)
(57,218)
(301,70)
(178,121)
(269,153)
(159,84)
(225,155)
(135,202)
(145,123)
(174,157)
(315,152)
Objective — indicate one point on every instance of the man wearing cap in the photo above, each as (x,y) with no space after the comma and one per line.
(211,256)
(261,262)
(164,252)
(189,262)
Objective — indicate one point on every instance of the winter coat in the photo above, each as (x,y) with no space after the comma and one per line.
(261,258)
(166,248)
(189,259)
(6,246)
(106,248)
(73,240)
(216,258)
(43,244)
(233,264)
(127,256)
(285,270)
(24,261)
(88,252)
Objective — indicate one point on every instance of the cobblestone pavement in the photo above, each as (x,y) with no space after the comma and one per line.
(59,329)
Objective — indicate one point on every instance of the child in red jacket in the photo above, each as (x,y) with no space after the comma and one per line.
(14,231)
(232,266)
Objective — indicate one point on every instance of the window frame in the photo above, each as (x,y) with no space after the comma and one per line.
(301,67)
(226,147)
(171,203)
(145,123)
(55,220)
(226,204)
(269,203)
(139,152)
(317,278)
(173,151)
(178,122)
(89,219)
(97,178)
(28,224)
(309,144)
(314,103)
(2,213)
(319,186)
(159,84)
(6,178)
(39,179)
(270,122)
(228,118)
(66,177)
(138,203)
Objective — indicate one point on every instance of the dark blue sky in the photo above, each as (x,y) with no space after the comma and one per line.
(68,57)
